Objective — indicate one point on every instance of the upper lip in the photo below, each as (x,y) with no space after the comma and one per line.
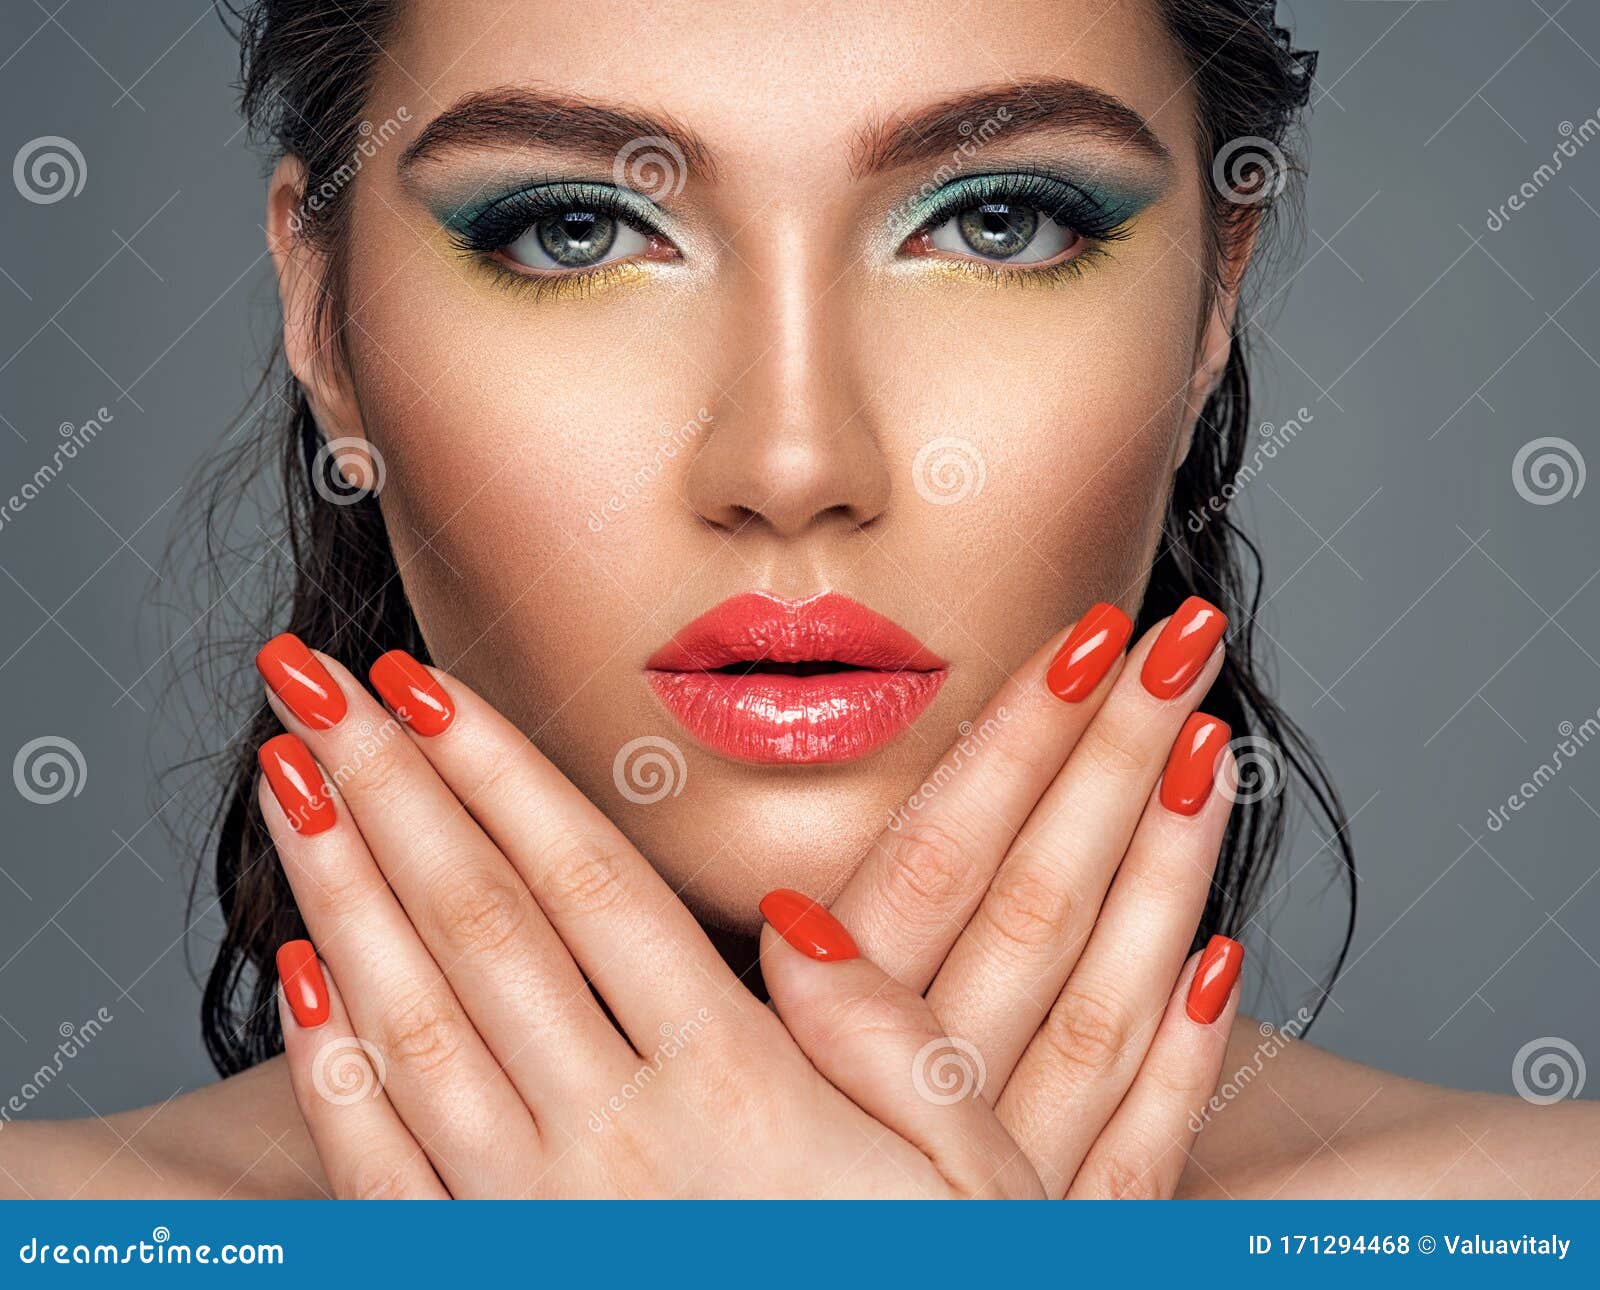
(756,628)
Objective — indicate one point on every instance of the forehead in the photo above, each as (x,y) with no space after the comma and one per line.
(764,79)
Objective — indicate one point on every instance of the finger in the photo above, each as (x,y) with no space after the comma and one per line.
(926,872)
(635,940)
(878,1043)
(1145,1148)
(450,1091)
(1100,1028)
(1104,1013)
(504,962)
(1004,974)
(366,1150)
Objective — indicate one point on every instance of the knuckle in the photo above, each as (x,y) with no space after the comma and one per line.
(1182,1087)
(343,888)
(925,869)
(866,1018)
(740,1097)
(582,875)
(423,1035)
(479,910)
(377,1176)
(1022,759)
(1115,749)
(1086,1031)
(1026,910)
(375,774)
(1122,1177)
(504,779)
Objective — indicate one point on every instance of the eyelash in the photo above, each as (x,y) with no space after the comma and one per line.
(1057,198)
(508,218)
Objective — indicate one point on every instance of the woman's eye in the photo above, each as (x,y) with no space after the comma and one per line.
(1012,232)
(575,238)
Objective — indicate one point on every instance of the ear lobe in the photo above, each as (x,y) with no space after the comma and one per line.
(302,283)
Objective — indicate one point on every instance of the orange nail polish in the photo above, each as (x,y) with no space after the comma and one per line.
(1192,765)
(1213,979)
(299,679)
(807,926)
(1181,651)
(303,985)
(412,693)
(1094,645)
(297,783)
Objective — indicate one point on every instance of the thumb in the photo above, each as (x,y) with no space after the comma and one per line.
(879,1044)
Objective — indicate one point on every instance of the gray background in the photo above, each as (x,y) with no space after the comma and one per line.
(1433,627)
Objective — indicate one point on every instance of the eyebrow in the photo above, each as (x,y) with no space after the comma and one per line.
(981,116)
(515,115)
(518,116)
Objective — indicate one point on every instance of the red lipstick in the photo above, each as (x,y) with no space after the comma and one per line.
(794,682)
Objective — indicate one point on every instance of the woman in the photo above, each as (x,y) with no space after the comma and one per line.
(773,423)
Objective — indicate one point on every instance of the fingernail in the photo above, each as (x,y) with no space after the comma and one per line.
(412,693)
(1213,979)
(1183,647)
(297,783)
(1094,645)
(303,684)
(303,985)
(807,926)
(1192,765)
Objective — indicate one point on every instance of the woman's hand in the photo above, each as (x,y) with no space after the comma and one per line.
(1043,893)
(463,893)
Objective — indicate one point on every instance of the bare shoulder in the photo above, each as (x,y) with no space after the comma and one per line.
(242,1137)
(1293,1120)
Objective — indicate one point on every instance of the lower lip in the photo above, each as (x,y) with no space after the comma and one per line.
(775,718)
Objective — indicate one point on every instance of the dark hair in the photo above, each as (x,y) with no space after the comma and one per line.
(328,575)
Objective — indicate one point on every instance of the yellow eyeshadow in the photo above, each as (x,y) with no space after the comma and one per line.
(956,268)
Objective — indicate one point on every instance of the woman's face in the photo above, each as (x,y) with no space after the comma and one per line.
(901,302)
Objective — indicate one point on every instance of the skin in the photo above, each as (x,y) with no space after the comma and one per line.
(816,360)
(781,312)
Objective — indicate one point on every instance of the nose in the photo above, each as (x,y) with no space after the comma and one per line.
(792,447)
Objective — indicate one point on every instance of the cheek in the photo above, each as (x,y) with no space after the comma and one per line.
(1067,404)
(514,433)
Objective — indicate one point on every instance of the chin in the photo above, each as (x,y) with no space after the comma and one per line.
(738,831)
